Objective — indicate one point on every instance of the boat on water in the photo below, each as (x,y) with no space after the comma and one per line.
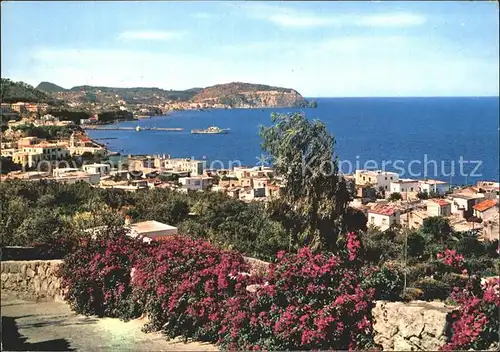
(137,128)
(211,130)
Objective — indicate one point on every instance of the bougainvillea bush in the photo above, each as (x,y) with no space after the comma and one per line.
(476,324)
(96,276)
(308,301)
(183,285)
(192,289)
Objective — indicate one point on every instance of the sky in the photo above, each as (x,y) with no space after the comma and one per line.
(321,49)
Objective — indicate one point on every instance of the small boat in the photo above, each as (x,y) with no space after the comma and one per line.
(137,128)
(211,130)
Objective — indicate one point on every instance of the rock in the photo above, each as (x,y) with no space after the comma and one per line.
(411,326)
(30,272)
(5,268)
(40,270)
(24,267)
(252,288)
(44,287)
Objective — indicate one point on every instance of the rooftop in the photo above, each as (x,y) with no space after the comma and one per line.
(405,180)
(376,172)
(97,165)
(150,226)
(485,205)
(467,196)
(434,182)
(383,210)
(441,202)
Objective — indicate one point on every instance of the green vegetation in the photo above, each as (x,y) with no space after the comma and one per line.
(395,196)
(314,207)
(7,165)
(69,115)
(13,92)
(65,210)
(138,95)
(47,132)
(427,276)
(110,116)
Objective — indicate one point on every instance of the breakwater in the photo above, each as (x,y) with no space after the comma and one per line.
(109,128)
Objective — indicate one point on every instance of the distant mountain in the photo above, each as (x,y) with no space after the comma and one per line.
(248,95)
(236,94)
(137,95)
(49,87)
(13,92)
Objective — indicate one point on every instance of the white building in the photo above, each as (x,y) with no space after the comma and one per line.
(101,169)
(194,167)
(428,186)
(438,207)
(405,185)
(376,178)
(49,151)
(75,175)
(463,204)
(384,216)
(196,183)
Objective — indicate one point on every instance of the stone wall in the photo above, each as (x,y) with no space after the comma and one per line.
(412,326)
(32,279)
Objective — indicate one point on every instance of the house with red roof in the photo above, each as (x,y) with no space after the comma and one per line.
(438,207)
(486,209)
(384,216)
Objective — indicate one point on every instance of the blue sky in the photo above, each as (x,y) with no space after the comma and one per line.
(319,48)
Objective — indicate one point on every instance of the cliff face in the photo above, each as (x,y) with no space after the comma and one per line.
(246,95)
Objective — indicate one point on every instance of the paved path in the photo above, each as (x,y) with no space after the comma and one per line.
(52,326)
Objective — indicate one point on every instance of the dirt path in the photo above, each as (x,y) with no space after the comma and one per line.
(52,326)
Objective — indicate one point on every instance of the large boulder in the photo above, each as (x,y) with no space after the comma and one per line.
(412,326)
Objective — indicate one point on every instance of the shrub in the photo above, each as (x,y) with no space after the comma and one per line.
(412,294)
(453,280)
(395,196)
(475,325)
(96,276)
(183,284)
(192,289)
(481,266)
(308,301)
(451,258)
(387,282)
(433,289)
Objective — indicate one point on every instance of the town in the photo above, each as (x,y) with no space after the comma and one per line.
(382,196)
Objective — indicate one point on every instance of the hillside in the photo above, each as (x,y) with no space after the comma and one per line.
(236,94)
(13,92)
(49,87)
(136,95)
(247,95)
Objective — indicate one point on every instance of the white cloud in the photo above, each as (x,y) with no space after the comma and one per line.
(292,18)
(150,35)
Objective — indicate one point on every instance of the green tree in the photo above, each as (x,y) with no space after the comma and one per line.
(416,245)
(161,205)
(437,227)
(7,165)
(395,196)
(315,194)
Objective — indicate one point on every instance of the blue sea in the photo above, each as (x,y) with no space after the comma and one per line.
(451,139)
